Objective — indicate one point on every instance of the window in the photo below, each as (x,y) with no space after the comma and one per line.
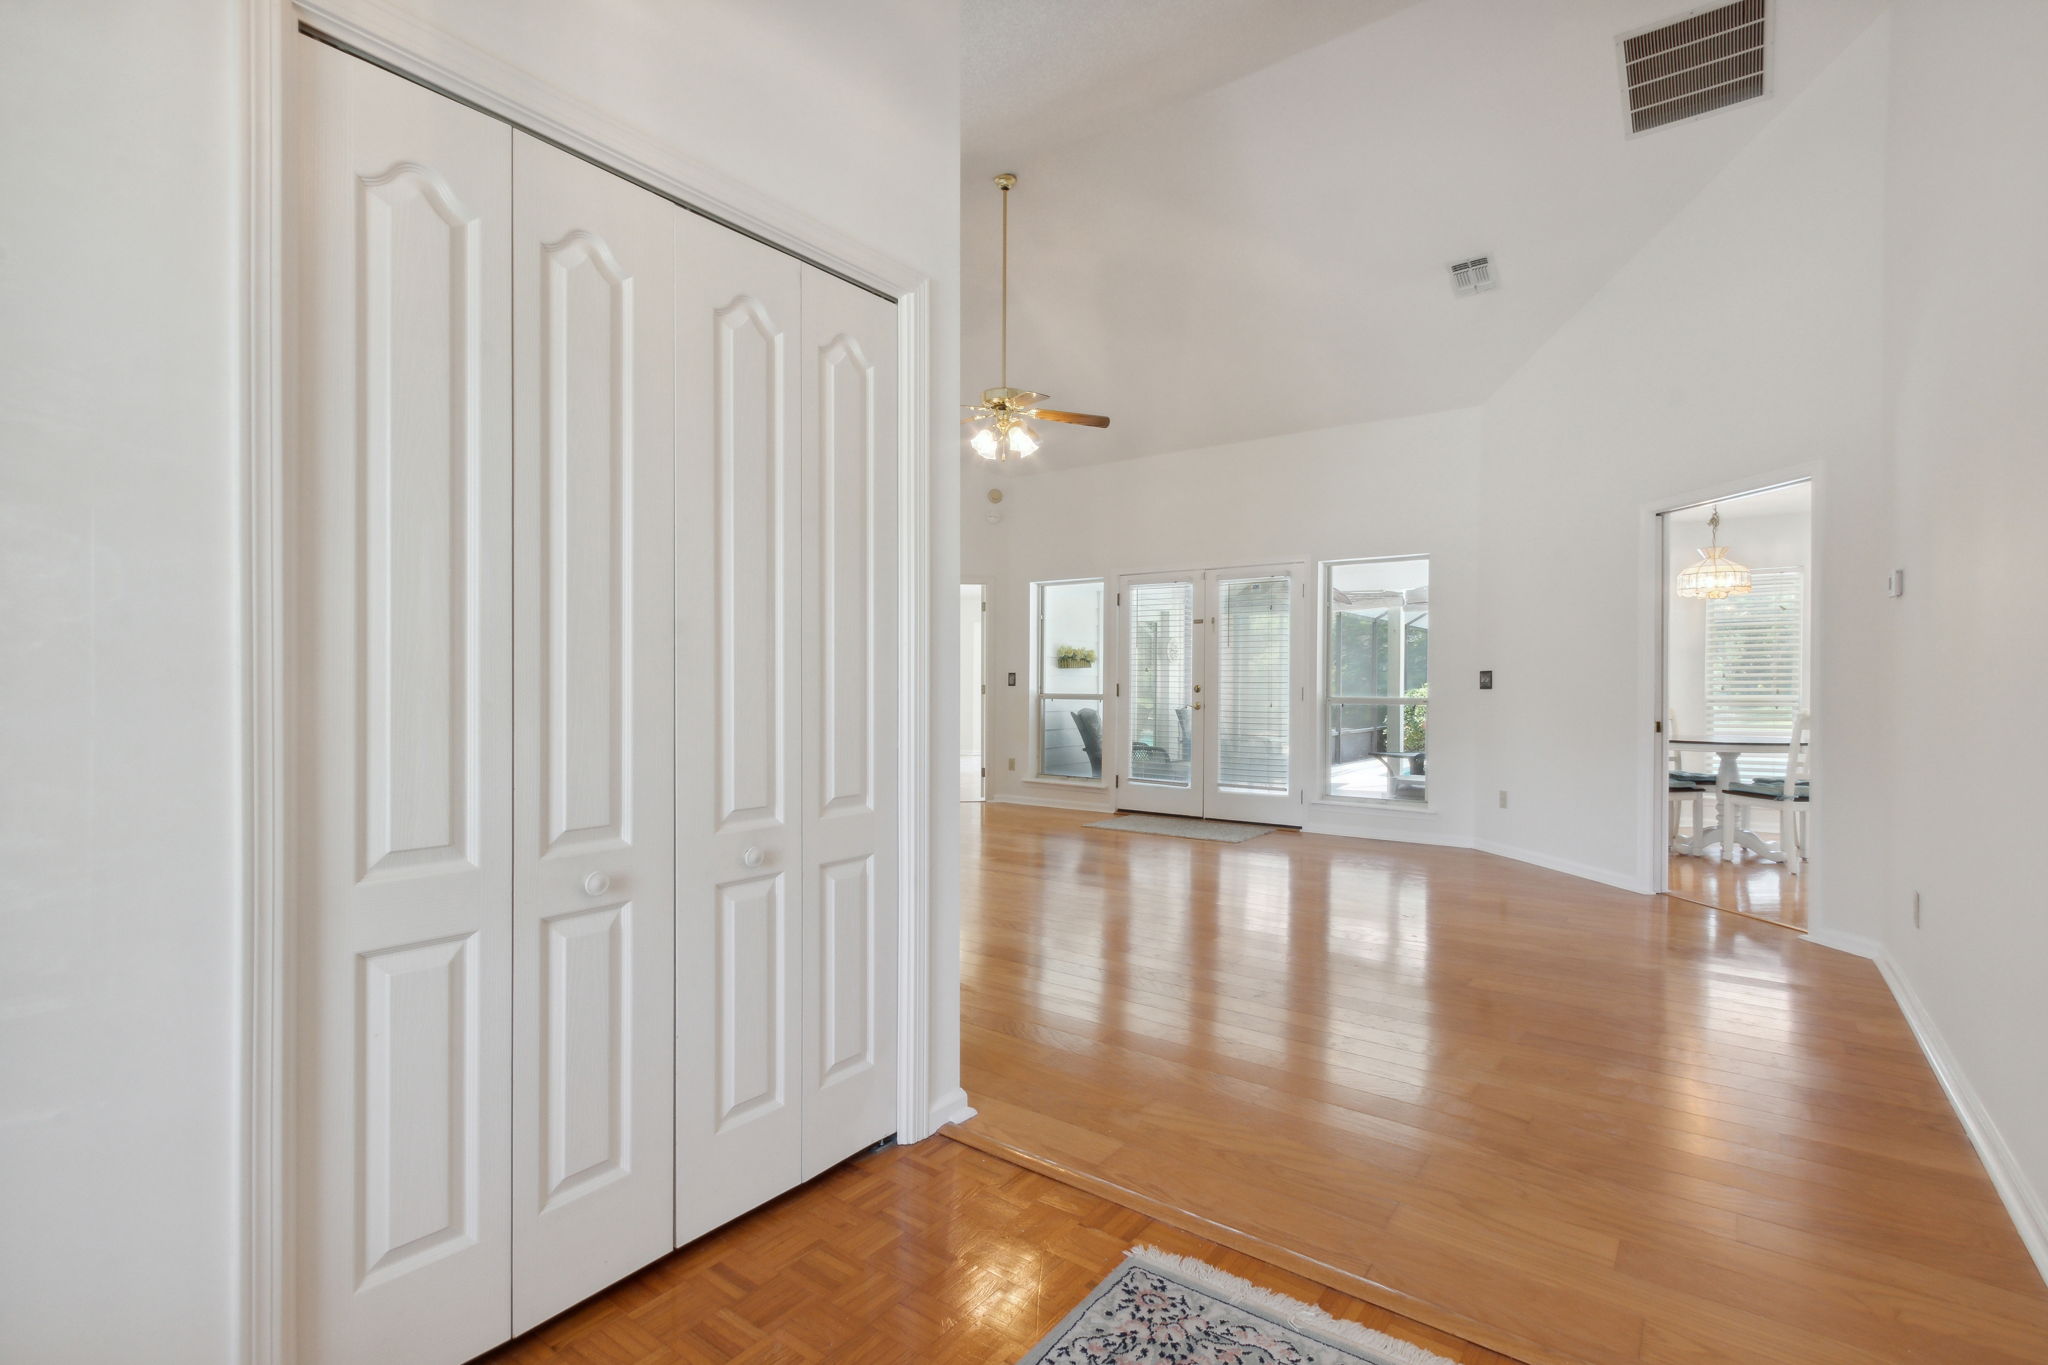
(1376,679)
(1068,670)
(1755,663)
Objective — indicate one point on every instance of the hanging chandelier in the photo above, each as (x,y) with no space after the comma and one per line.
(1716,575)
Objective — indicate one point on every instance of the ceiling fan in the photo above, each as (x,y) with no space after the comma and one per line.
(1001,413)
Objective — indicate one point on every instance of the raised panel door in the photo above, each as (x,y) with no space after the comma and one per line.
(849,720)
(403,489)
(739,741)
(593,266)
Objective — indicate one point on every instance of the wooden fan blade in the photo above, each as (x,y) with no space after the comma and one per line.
(1079,419)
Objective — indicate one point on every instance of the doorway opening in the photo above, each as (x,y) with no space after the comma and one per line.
(1736,759)
(973,692)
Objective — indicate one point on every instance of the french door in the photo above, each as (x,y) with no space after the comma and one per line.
(1212,692)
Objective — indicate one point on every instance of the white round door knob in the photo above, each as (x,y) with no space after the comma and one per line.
(596,884)
(753,857)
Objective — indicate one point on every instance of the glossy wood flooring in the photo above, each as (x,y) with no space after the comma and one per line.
(1566,1122)
(934,1254)
(1746,885)
(1743,883)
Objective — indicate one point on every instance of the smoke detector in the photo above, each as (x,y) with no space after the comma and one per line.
(1701,62)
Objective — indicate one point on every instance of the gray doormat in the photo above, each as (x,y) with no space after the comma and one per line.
(1182,827)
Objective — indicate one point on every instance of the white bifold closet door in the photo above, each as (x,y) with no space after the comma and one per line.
(593,846)
(785,739)
(405,867)
(850,864)
(597,564)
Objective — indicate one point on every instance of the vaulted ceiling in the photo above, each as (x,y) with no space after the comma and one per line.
(1259,244)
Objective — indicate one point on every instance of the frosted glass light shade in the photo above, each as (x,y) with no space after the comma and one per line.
(986,444)
(1715,576)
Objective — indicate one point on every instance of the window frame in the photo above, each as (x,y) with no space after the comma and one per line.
(1038,696)
(1328,700)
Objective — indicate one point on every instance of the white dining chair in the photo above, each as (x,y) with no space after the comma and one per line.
(1688,790)
(1793,795)
(1684,794)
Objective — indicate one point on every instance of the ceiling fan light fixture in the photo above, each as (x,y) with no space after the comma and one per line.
(1000,430)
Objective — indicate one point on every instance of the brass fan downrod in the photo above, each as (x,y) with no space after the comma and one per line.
(1005,182)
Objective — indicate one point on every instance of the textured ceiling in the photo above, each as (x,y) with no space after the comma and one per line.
(1268,254)
(1042,72)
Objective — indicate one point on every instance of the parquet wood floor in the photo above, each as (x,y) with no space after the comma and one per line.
(936,1254)
(1568,1123)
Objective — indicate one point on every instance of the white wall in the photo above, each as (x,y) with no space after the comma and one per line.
(119,737)
(1741,344)
(1967,368)
(1383,488)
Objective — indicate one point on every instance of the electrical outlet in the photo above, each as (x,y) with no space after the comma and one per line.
(1013,765)
(1916,909)
(1503,800)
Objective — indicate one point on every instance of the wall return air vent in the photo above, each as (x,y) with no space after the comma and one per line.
(1475,276)
(1702,61)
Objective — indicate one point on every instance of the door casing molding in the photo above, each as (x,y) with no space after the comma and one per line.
(262,1277)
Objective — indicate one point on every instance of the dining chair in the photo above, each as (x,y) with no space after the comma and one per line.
(1791,794)
(1684,793)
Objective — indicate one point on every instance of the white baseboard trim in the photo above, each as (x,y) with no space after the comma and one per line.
(1565,865)
(2022,1200)
(951,1108)
(1846,942)
(1393,831)
(1050,802)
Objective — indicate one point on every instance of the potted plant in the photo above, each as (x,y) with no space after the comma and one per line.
(1073,656)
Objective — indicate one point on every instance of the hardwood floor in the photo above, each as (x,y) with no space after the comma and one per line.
(936,1254)
(1745,883)
(1748,886)
(1566,1122)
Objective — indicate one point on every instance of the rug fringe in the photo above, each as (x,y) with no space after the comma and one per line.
(1290,1311)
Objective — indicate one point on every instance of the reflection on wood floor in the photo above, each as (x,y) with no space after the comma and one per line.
(1565,1122)
(1743,883)
(1747,885)
(934,1254)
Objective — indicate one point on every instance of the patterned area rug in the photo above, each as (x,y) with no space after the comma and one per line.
(1169,1310)
(1182,827)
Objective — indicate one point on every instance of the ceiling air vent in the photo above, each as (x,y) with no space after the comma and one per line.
(1705,60)
(1475,276)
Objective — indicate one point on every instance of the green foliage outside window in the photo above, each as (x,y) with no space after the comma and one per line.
(1415,722)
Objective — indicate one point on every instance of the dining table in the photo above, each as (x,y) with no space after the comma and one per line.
(1731,751)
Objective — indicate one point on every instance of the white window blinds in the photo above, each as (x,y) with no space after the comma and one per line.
(1254,629)
(1755,658)
(1162,617)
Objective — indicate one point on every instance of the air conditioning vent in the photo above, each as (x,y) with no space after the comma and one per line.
(1704,61)
(1475,276)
